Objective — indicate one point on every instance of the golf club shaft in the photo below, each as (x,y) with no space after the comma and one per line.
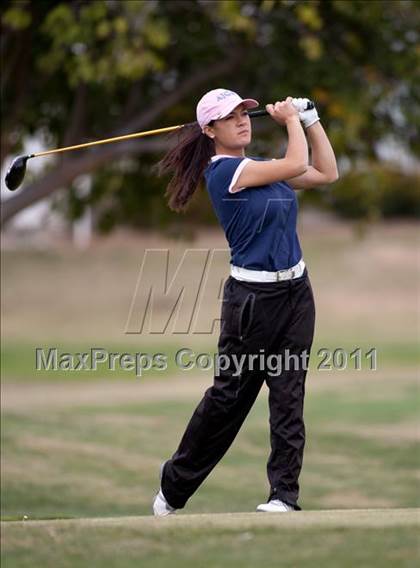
(252,114)
(126,137)
(108,140)
(255,113)
(16,172)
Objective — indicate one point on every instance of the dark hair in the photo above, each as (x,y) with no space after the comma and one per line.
(187,160)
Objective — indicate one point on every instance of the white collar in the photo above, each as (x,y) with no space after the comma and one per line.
(217,156)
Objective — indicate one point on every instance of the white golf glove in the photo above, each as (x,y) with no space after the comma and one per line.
(307,117)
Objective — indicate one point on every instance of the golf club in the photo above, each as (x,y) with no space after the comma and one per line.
(17,170)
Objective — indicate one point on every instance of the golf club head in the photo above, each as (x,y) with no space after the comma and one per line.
(16,173)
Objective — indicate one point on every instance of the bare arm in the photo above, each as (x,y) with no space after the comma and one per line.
(294,163)
(297,147)
(323,169)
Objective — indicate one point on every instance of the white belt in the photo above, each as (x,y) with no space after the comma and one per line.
(265,276)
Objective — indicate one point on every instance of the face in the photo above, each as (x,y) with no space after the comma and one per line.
(232,133)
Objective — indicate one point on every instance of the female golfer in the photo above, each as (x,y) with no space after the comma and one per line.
(268,311)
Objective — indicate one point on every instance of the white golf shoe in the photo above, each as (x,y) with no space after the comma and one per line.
(161,507)
(274,506)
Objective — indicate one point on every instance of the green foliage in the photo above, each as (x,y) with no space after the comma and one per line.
(376,192)
(76,71)
(97,45)
(134,198)
(17,17)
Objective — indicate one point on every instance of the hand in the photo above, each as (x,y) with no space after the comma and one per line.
(307,117)
(282,111)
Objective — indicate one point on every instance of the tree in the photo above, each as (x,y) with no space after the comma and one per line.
(79,70)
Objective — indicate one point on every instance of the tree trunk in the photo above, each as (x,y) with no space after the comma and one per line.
(63,174)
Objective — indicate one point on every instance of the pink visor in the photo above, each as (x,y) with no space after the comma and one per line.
(219,103)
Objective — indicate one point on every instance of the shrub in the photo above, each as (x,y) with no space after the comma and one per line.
(372,192)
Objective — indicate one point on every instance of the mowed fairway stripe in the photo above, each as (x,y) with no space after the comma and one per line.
(24,396)
(374,518)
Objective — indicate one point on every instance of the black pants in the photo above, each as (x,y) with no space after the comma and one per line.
(268,318)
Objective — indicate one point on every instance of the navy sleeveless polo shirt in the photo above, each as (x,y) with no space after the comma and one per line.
(259,222)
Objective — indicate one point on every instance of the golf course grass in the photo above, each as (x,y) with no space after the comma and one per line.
(372,537)
(81,451)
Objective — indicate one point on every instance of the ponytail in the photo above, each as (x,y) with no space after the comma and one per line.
(187,160)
